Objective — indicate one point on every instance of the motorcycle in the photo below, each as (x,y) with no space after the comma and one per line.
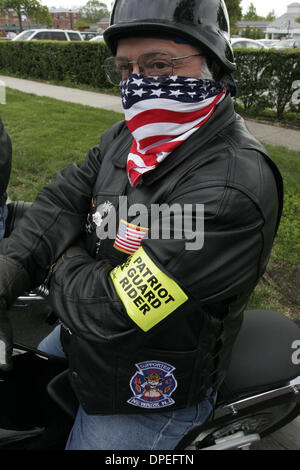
(259,395)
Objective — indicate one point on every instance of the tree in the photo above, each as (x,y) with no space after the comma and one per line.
(234,11)
(81,24)
(253,33)
(93,11)
(31,8)
(251,14)
(271,16)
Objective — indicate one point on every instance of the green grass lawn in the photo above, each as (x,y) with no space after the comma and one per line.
(280,286)
(49,134)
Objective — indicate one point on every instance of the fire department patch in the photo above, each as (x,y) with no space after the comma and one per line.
(152,385)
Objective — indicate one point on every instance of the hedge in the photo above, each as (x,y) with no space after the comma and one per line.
(77,62)
(268,79)
(265,78)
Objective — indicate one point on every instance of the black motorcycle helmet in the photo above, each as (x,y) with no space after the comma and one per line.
(203,23)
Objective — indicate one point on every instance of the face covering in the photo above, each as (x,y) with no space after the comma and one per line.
(162,114)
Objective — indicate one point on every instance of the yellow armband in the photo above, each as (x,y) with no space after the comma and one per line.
(147,293)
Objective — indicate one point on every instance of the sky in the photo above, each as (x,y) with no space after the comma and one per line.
(263,7)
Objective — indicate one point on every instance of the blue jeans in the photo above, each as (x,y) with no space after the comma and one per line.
(3,215)
(141,431)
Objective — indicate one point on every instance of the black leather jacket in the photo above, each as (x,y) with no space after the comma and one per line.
(5,163)
(116,366)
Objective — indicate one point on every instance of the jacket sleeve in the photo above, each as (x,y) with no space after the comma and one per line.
(164,277)
(58,215)
(55,219)
(5,161)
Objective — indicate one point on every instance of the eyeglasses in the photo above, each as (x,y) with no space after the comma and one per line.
(153,64)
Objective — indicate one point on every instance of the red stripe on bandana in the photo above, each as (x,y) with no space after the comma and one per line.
(159,125)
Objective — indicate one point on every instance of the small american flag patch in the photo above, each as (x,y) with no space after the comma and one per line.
(129,237)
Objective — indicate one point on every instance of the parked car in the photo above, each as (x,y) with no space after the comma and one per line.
(48,34)
(10,35)
(289,44)
(269,43)
(97,38)
(87,35)
(248,43)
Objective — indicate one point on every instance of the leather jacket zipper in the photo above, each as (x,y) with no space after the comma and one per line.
(65,327)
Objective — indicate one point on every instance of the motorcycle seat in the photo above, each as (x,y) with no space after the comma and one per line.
(263,354)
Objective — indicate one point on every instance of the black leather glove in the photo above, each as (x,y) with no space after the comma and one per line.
(14,280)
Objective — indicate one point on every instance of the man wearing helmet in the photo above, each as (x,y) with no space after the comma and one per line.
(135,305)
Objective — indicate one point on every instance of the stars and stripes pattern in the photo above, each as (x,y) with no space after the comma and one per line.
(129,237)
(163,114)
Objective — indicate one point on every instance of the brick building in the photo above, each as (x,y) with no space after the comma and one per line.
(103,23)
(9,21)
(64,18)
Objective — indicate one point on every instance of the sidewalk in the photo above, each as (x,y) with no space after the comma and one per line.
(268,134)
(74,95)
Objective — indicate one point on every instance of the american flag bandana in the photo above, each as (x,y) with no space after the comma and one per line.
(129,237)
(162,114)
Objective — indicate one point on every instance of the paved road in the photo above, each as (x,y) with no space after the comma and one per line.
(268,134)
(275,135)
(287,438)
